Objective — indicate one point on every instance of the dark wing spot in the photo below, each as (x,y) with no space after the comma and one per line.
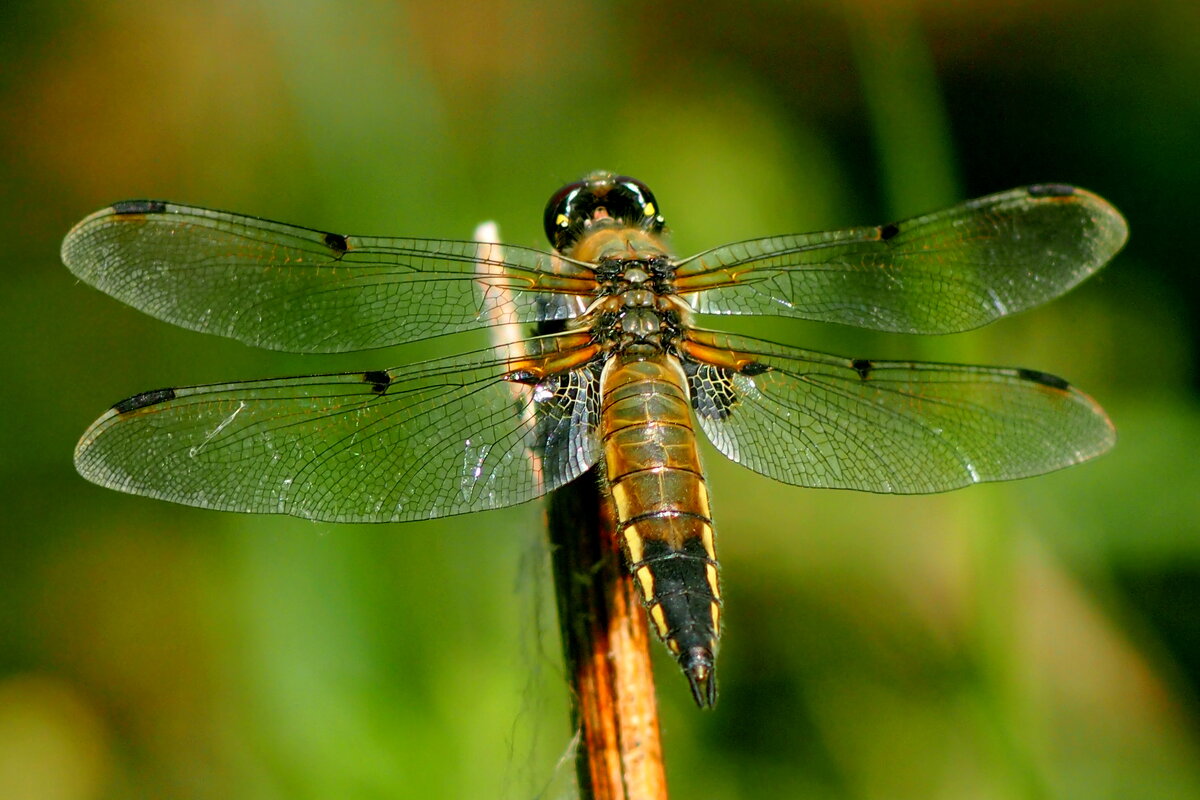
(1044,378)
(754,368)
(378,379)
(1051,190)
(863,367)
(525,376)
(139,207)
(144,399)
(713,393)
(337,243)
(888,231)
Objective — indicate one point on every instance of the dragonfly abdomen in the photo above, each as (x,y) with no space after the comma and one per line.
(661,501)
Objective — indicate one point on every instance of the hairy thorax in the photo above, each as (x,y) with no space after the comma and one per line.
(636,310)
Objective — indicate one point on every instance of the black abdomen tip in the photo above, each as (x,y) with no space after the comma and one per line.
(697,663)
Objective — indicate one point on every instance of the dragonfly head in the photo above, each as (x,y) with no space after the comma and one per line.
(601,198)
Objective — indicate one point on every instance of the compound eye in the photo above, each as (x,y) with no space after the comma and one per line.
(600,198)
(634,203)
(557,220)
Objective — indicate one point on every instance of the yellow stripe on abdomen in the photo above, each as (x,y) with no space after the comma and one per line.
(661,500)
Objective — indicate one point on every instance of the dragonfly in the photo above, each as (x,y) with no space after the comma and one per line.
(620,376)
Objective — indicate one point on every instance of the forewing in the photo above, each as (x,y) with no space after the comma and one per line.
(812,419)
(289,288)
(949,271)
(429,440)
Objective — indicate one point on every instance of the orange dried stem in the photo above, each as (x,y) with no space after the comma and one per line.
(607,649)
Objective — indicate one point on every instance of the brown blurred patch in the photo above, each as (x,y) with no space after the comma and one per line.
(53,742)
(141,96)
(128,612)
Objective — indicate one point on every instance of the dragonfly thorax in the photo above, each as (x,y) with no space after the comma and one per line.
(641,324)
(636,314)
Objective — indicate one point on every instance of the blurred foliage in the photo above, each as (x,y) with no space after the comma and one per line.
(1031,640)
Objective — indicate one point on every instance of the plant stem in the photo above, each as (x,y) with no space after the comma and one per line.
(607,649)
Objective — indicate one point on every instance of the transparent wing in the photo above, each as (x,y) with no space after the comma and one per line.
(433,439)
(289,288)
(950,271)
(812,419)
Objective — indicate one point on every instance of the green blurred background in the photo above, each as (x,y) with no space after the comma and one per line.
(1032,640)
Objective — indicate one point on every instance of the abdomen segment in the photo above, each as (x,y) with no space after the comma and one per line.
(661,500)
